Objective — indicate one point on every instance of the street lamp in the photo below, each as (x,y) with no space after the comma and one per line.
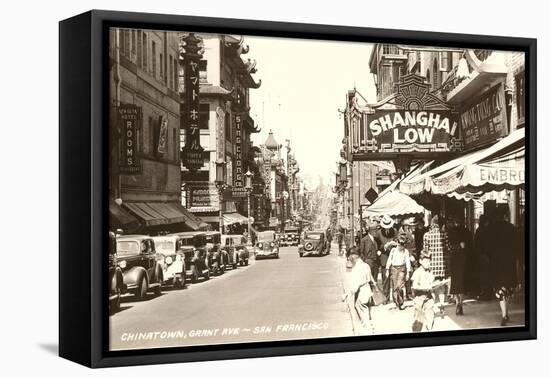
(248,186)
(220,184)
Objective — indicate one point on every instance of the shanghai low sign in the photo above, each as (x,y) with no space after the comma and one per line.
(413,131)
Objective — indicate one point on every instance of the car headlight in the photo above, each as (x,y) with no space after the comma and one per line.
(168,260)
(272,244)
(122,264)
(260,245)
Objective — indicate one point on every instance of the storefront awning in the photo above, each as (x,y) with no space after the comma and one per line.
(233,218)
(120,218)
(394,203)
(159,213)
(500,166)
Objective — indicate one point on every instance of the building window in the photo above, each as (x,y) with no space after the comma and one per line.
(154,58)
(175,143)
(436,76)
(139,49)
(145,51)
(161,67)
(133,42)
(227,126)
(520,96)
(171,71)
(445,61)
(176,73)
(202,71)
(204,116)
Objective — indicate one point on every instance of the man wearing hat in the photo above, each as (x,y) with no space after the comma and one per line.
(399,268)
(422,285)
(387,237)
(368,250)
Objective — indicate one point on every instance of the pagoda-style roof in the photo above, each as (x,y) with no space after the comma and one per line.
(270,142)
(214,91)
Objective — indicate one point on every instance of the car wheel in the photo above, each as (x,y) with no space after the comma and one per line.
(207,275)
(301,254)
(246,262)
(114,305)
(143,287)
(158,289)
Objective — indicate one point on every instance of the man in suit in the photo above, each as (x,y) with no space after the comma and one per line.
(368,250)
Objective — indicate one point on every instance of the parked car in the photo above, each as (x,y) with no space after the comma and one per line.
(171,257)
(291,237)
(314,243)
(136,257)
(267,245)
(234,249)
(197,260)
(217,259)
(116,279)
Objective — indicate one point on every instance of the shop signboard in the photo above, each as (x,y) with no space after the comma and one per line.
(201,196)
(192,156)
(413,131)
(483,120)
(129,117)
(238,183)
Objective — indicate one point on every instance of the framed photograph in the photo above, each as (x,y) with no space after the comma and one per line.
(235,188)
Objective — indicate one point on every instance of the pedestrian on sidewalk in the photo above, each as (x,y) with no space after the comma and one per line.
(506,247)
(460,243)
(422,283)
(387,237)
(368,250)
(399,268)
(436,243)
(359,289)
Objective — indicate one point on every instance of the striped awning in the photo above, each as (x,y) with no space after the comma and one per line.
(159,213)
(500,166)
(233,218)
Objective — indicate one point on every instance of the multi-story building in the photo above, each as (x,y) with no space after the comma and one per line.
(145,151)
(225,129)
(464,79)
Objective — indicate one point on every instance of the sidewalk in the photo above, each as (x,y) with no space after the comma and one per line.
(387,319)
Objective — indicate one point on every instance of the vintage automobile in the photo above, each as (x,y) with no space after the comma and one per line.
(171,257)
(116,279)
(136,257)
(267,245)
(196,260)
(216,255)
(234,249)
(291,237)
(314,243)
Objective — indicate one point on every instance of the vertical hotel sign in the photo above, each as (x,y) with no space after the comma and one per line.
(129,118)
(192,151)
(238,183)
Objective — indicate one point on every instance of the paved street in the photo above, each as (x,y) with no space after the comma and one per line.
(284,299)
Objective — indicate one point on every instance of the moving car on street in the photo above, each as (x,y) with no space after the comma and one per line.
(136,257)
(116,279)
(290,237)
(217,259)
(314,243)
(171,257)
(267,245)
(196,259)
(234,249)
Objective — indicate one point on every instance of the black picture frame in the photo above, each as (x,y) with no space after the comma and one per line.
(83,181)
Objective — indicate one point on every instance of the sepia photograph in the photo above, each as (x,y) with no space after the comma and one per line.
(279,189)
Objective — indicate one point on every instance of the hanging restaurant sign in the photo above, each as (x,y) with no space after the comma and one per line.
(410,122)
(238,183)
(412,131)
(201,196)
(192,156)
(129,118)
(484,120)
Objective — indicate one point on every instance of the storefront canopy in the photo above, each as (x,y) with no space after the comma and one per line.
(394,203)
(500,166)
(120,218)
(160,213)
(233,218)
